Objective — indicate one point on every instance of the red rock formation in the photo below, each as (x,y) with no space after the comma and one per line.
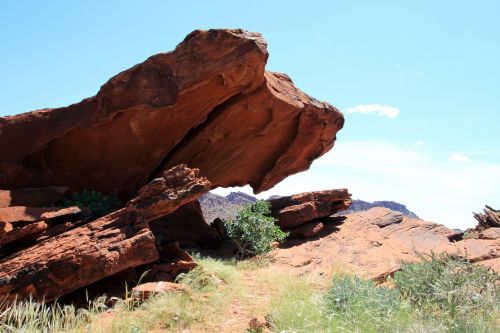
(208,103)
(295,210)
(101,248)
(490,218)
(374,243)
(146,290)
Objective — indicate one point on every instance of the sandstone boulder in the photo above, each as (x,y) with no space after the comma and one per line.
(209,103)
(146,290)
(295,210)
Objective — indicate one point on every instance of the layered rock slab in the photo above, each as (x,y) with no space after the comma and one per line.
(208,103)
(298,209)
(100,248)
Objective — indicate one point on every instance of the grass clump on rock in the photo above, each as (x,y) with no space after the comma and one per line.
(253,231)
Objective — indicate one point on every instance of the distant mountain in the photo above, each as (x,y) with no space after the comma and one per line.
(214,205)
(360,205)
(227,207)
(240,198)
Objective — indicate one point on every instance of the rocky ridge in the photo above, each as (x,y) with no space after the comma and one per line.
(375,243)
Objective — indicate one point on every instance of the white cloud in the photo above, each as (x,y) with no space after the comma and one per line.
(432,187)
(378,109)
(460,158)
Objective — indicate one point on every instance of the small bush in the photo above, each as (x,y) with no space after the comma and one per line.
(97,202)
(252,231)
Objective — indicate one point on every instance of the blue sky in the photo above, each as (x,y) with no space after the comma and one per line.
(418,81)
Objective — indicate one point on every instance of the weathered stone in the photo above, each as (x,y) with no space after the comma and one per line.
(146,290)
(383,217)
(209,103)
(5,227)
(96,250)
(295,210)
(68,214)
(32,197)
(490,233)
(359,245)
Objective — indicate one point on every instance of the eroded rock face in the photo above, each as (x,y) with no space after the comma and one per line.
(374,243)
(101,248)
(298,209)
(209,103)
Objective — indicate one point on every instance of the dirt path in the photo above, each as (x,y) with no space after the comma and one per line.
(251,301)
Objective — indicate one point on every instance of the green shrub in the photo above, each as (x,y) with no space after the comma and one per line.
(97,202)
(252,231)
(451,288)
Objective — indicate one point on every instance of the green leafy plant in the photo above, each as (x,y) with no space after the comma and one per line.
(253,231)
(100,204)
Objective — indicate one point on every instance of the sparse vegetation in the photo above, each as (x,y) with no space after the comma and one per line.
(441,294)
(253,231)
(31,316)
(99,203)
(461,295)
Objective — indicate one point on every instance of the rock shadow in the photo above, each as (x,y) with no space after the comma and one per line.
(331,224)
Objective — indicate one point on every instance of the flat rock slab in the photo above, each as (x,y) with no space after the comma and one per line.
(295,210)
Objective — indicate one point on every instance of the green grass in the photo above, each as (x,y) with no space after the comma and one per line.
(441,294)
(211,286)
(31,316)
